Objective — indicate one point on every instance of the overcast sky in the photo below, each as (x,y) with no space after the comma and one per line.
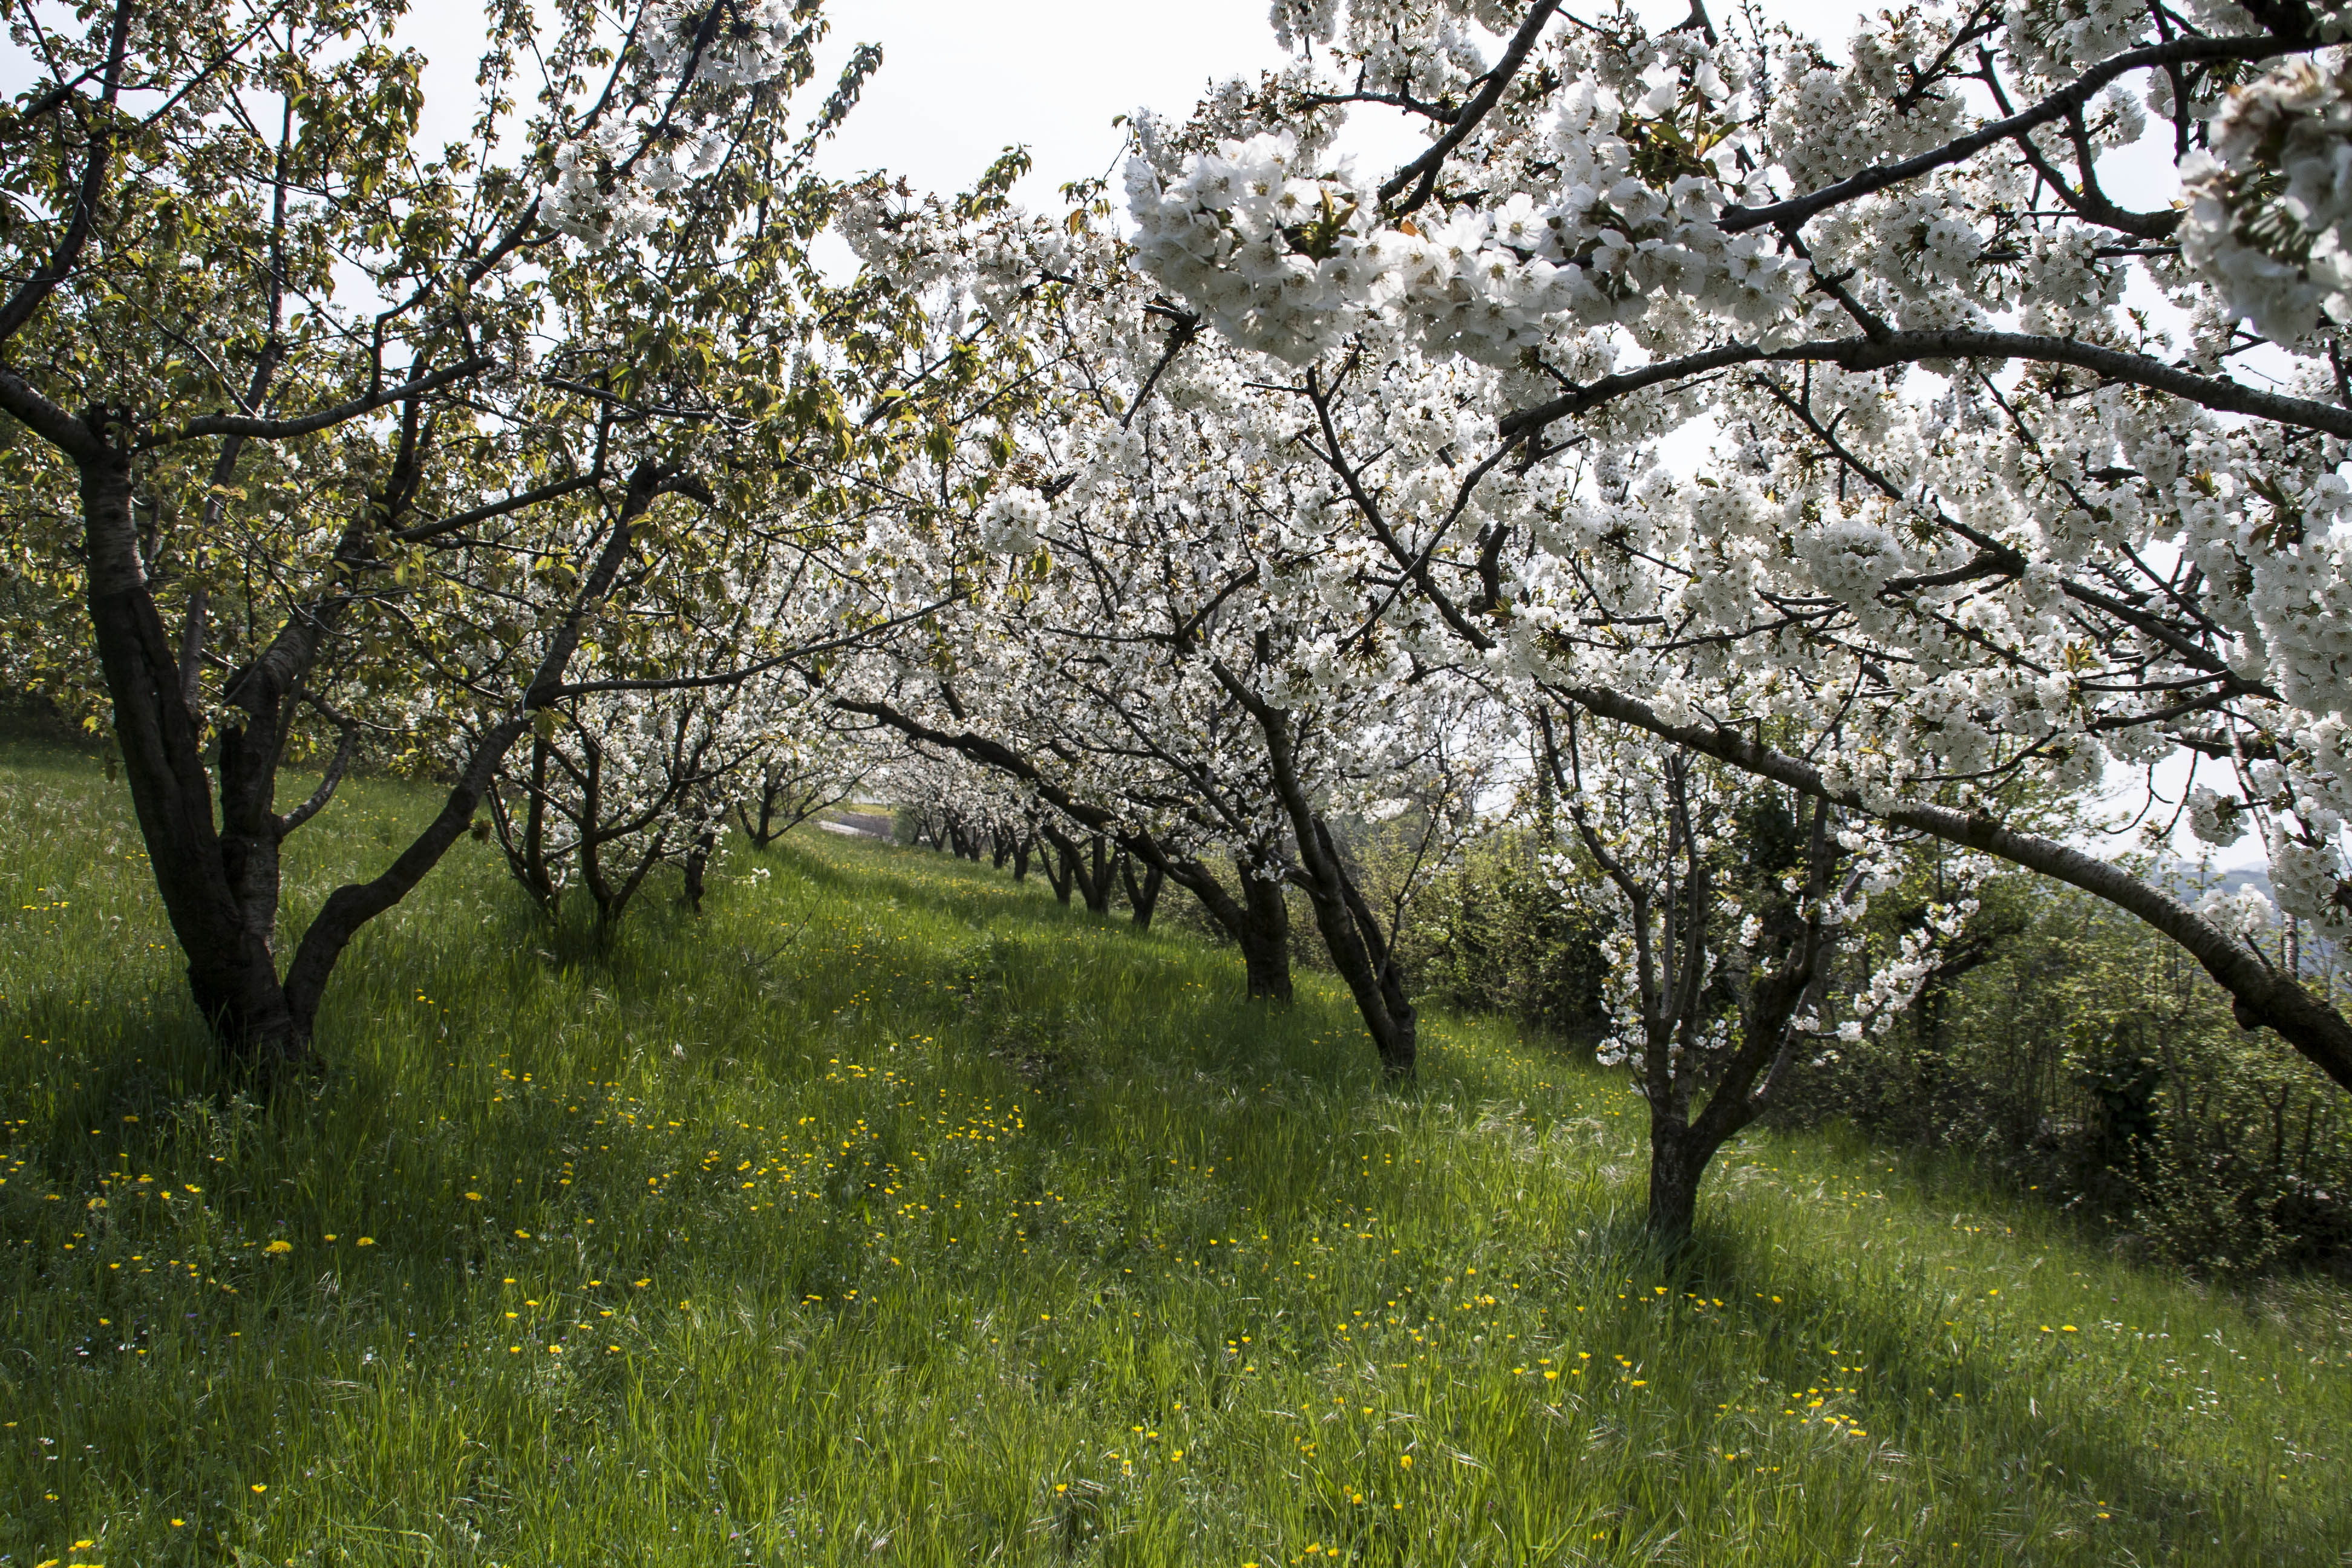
(962,79)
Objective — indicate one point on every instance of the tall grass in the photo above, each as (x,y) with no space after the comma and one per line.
(889,1212)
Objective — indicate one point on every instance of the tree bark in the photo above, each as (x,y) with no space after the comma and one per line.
(764,834)
(1084,866)
(232,969)
(1061,866)
(1676,1166)
(1258,921)
(1352,932)
(1141,898)
(697,862)
(1095,883)
(1359,952)
(1264,933)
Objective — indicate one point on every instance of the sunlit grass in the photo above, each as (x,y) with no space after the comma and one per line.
(890,1211)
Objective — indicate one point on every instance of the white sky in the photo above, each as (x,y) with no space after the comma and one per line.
(962,80)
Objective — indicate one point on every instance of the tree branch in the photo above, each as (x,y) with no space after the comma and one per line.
(2260,995)
(323,418)
(2057,106)
(1425,168)
(1905,348)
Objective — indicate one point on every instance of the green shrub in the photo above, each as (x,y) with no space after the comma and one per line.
(2093,1061)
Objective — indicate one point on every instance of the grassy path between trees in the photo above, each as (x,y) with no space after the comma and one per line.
(890,1213)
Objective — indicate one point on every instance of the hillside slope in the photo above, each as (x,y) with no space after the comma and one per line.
(891,1213)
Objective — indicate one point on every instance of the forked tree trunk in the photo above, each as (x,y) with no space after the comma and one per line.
(765,832)
(1094,877)
(1258,921)
(1359,951)
(220,891)
(1061,872)
(1352,933)
(1141,898)
(232,967)
(1084,866)
(524,842)
(1670,912)
(613,898)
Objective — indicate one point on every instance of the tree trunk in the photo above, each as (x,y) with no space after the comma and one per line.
(1143,898)
(764,834)
(612,901)
(1021,849)
(1061,867)
(1085,867)
(231,970)
(1265,937)
(698,861)
(525,844)
(1359,952)
(1352,932)
(1258,922)
(1097,885)
(1678,1159)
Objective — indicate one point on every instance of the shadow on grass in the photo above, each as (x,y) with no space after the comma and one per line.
(1951,1407)
(456,1137)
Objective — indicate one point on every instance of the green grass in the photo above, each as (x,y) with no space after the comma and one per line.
(892,1213)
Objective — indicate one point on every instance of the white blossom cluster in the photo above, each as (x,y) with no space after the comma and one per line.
(2271,199)
(689,65)
(2244,913)
(1944,578)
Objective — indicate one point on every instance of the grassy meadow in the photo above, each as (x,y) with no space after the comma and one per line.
(891,1213)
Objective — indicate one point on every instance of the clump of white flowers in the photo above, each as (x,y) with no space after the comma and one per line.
(614,174)
(1286,260)
(2271,202)
(2215,818)
(2244,913)
(1010,523)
